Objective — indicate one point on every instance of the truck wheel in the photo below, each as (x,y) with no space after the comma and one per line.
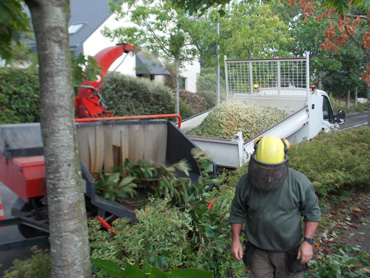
(34,210)
(29,232)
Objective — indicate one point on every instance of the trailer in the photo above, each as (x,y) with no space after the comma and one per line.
(279,83)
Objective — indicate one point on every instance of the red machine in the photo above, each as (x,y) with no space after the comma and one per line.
(89,102)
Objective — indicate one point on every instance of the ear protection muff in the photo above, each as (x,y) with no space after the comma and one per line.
(256,141)
(286,145)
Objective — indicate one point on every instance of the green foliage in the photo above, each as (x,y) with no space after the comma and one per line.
(345,261)
(194,101)
(13,22)
(254,31)
(172,235)
(334,161)
(84,68)
(132,271)
(208,83)
(185,110)
(210,98)
(125,95)
(38,266)
(345,77)
(112,187)
(19,96)
(229,118)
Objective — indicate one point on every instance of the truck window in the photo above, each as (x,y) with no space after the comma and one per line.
(327,110)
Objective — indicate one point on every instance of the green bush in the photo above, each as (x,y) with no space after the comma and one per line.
(19,96)
(210,97)
(185,110)
(334,161)
(208,82)
(126,95)
(38,266)
(194,101)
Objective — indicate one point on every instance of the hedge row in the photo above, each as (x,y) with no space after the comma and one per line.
(19,96)
(124,95)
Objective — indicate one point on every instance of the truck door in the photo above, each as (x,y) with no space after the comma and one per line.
(327,109)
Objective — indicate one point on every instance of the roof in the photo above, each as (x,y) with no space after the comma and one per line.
(148,64)
(91,14)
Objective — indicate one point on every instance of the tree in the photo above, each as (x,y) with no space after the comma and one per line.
(13,22)
(251,30)
(349,21)
(159,28)
(67,214)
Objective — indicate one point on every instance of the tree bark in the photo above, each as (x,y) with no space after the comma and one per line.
(67,213)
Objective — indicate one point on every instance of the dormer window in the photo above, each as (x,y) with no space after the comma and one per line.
(74,28)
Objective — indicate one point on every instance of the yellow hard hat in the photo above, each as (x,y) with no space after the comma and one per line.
(271,150)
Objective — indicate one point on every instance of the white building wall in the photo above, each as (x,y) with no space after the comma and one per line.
(97,42)
(191,72)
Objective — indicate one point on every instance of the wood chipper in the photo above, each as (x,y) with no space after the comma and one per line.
(103,143)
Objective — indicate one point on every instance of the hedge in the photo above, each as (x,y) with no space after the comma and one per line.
(127,95)
(19,96)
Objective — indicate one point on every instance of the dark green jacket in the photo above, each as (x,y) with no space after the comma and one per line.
(273,218)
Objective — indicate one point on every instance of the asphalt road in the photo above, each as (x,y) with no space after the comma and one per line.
(355,120)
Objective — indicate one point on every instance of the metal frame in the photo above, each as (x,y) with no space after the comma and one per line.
(279,74)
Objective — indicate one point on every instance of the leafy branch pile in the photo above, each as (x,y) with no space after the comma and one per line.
(230,118)
(170,234)
(144,179)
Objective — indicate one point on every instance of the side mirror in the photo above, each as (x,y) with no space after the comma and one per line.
(341,114)
(339,118)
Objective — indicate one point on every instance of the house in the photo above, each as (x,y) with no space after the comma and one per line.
(90,17)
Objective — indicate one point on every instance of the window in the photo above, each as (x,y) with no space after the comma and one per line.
(183,83)
(74,28)
(327,110)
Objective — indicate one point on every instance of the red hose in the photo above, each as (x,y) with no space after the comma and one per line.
(106,225)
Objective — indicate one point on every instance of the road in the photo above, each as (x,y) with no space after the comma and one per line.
(355,120)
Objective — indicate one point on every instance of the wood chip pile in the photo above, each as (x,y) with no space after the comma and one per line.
(229,118)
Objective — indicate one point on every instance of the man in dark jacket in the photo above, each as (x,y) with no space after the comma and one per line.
(271,199)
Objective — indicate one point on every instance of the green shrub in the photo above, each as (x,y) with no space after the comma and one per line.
(208,82)
(126,95)
(38,266)
(210,97)
(19,96)
(194,101)
(185,110)
(334,161)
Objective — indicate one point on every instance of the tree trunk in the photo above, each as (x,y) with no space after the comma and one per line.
(348,102)
(67,214)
